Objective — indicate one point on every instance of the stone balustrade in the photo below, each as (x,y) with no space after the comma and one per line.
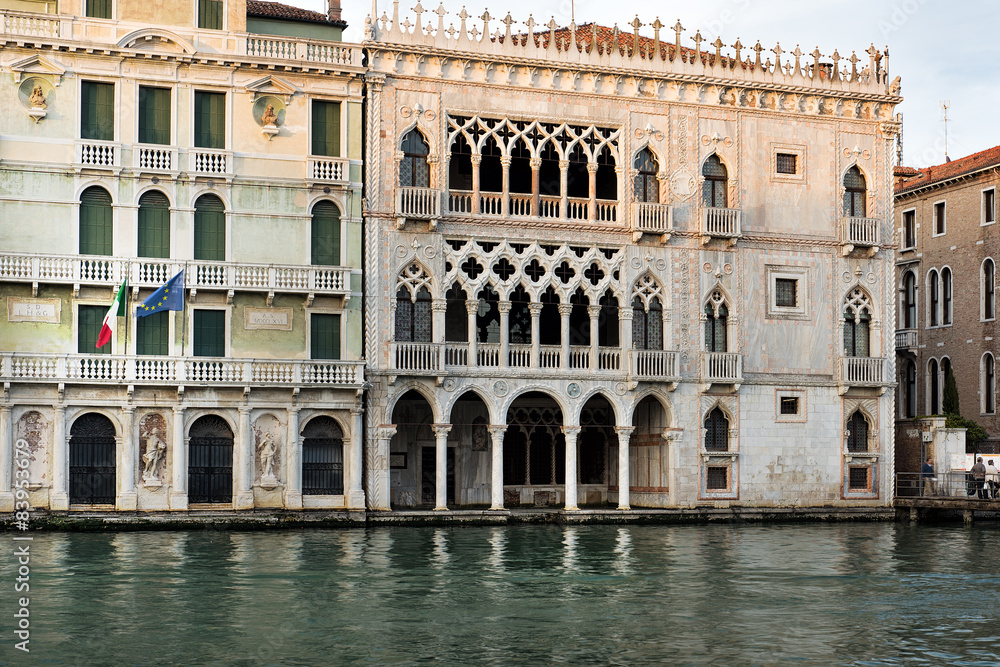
(652,217)
(418,203)
(906,339)
(859,231)
(862,371)
(723,367)
(492,204)
(721,222)
(328,170)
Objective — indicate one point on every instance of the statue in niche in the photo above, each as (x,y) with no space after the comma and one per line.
(267,450)
(155,449)
(269,117)
(37,97)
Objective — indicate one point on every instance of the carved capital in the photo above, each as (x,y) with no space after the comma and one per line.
(503,307)
(565,309)
(535,163)
(442,430)
(471,307)
(594,312)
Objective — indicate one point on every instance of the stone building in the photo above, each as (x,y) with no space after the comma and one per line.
(602,268)
(217,137)
(946,279)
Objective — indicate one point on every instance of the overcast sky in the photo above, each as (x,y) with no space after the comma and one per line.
(945,51)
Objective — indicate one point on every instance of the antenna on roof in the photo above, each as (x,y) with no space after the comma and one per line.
(944,115)
(572,12)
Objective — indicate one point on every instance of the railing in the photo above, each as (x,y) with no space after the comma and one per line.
(328,169)
(456,354)
(519,355)
(32,25)
(859,231)
(607,210)
(609,359)
(957,485)
(154,158)
(549,356)
(418,203)
(214,162)
(548,207)
(578,209)
(579,357)
(862,371)
(906,339)
(488,355)
(722,367)
(654,364)
(135,369)
(145,272)
(416,356)
(318,52)
(720,222)
(459,201)
(93,153)
(490,203)
(520,205)
(652,218)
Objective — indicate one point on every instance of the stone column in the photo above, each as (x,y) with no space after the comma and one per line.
(380,477)
(624,435)
(178,489)
(564,311)
(571,433)
(438,309)
(536,165)
(355,493)
(595,337)
(672,437)
(563,189)
(127,498)
(244,463)
(472,307)
(625,322)
(476,160)
(505,165)
(441,466)
(6,460)
(496,470)
(536,313)
(504,308)
(59,493)
(592,176)
(293,462)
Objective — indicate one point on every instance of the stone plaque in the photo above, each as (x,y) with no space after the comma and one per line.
(268,318)
(33,310)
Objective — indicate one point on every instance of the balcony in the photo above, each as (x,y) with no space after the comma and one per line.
(652,218)
(147,272)
(330,53)
(154,158)
(210,162)
(189,371)
(418,358)
(862,372)
(328,170)
(859,233)
(720,223)
(906,339)
(493,204)
(722,368)
(33,24)
(418,204)
(93,154)
(655,365)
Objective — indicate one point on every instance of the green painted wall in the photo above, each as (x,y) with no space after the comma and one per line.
(303,29)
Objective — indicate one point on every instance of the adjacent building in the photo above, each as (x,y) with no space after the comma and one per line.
(602,268)
(221,138)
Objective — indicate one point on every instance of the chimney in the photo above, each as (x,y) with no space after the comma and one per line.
(333,10)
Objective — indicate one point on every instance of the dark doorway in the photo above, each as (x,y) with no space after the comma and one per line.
(92,461)
(322,458)
(428,476)
(210,469)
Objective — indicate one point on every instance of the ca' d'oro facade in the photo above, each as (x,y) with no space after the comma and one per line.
(142,139)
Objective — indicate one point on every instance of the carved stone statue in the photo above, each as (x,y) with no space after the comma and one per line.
(269,117)
(155,449)
(267,450)
(37,97)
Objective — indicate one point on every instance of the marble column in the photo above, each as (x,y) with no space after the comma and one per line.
(505,166)
(624,435)
(536,313)
(380,476)
(178,488)
(438,309)
(504,308)
(441,432)
(564,312)
(571,433)
(476,160)
(355,493)
(592,180)
(472,308)
(563,189)
(536,165)
(496,469)
(625,323)
(595,337)
(293,461)
(59,494)
(6,460)
(127,497)
(244,463)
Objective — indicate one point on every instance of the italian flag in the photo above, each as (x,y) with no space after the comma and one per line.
(116,310)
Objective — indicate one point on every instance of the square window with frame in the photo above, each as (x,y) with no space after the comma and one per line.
(787,292)
(858,479)
(909,229)
(785,163)
(208,332)
(99,9)
(940,221)
(717,478)
(989,206)
(789,405)
(788,163)
(209,119)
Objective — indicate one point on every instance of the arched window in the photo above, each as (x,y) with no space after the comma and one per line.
(857,324)
(519,319)
(322,458)
(647,188)
(854,193)
(550,321)
(413,306)
(647,314)
(92,460)
(946,296)
(488,316)
(910,381)
(608,327)
(456,317)
(579,319)
(934,298)
(490,167)
(933,388)
(577,176)
(989,289)
(548,173)
(716,182)
(989,384)
(325,234)
(716,431)
(413,169)
(96,222)
(716,316)
(909,314)
(153,232)
(209,228)
(520,168)
(460,165)
(857,432)
(607,179)
(210,461)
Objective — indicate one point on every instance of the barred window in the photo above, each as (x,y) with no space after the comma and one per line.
(857,478)
(717,478)
(716,431)
(857,433)
(786,292)
(786,163)
(789,405)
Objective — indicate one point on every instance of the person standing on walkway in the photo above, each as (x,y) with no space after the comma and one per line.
(992,479)
(979,477)
(927,477)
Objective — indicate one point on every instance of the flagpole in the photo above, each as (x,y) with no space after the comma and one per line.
(184,311)
(127,318)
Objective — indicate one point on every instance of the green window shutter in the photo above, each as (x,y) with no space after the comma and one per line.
(154,225)
(324,336)
(326,234)
(97,111)
(89,323)
(152,334)
(326,128)
(154,115)
(209,333)
(209,229)
(99,9)
(95,222)
(209,120)
(210,14)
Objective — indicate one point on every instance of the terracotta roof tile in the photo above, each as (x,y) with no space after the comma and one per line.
(942,172)
(276,10)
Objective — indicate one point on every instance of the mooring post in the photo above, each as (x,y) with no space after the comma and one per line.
(967,517)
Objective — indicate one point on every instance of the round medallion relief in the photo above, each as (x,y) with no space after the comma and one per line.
(500,388)
(573,390)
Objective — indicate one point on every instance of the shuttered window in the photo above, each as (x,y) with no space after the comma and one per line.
(209,228)
(154,115)
(326,234)
(99,9)
(325,128)
(89,322)
(209,120)
(95,222)
(324,336)
(209,333)
(154,225)
(97,111)
(210,14)
(152,334)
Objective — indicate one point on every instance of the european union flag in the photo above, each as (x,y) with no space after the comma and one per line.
(168,297)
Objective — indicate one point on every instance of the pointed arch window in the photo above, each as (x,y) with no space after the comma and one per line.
(647,187)
(520,168)
(519,322)
(413,320)
(910,383)
(96,222)
(577,176)
(989,289)
(989,384)
(857,324)
(946,284)
(414,172)
(460,165)
(909,314)
(934,298)
(550,321)
(854,193)
(714,188)
(490,168)
(716,320)
(933,388)
(608,327)
(647,315)
(607,178)
(857,432)
(716,431)
(456,318)
(488,316)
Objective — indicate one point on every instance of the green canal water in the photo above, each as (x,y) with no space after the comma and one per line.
(857,594)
